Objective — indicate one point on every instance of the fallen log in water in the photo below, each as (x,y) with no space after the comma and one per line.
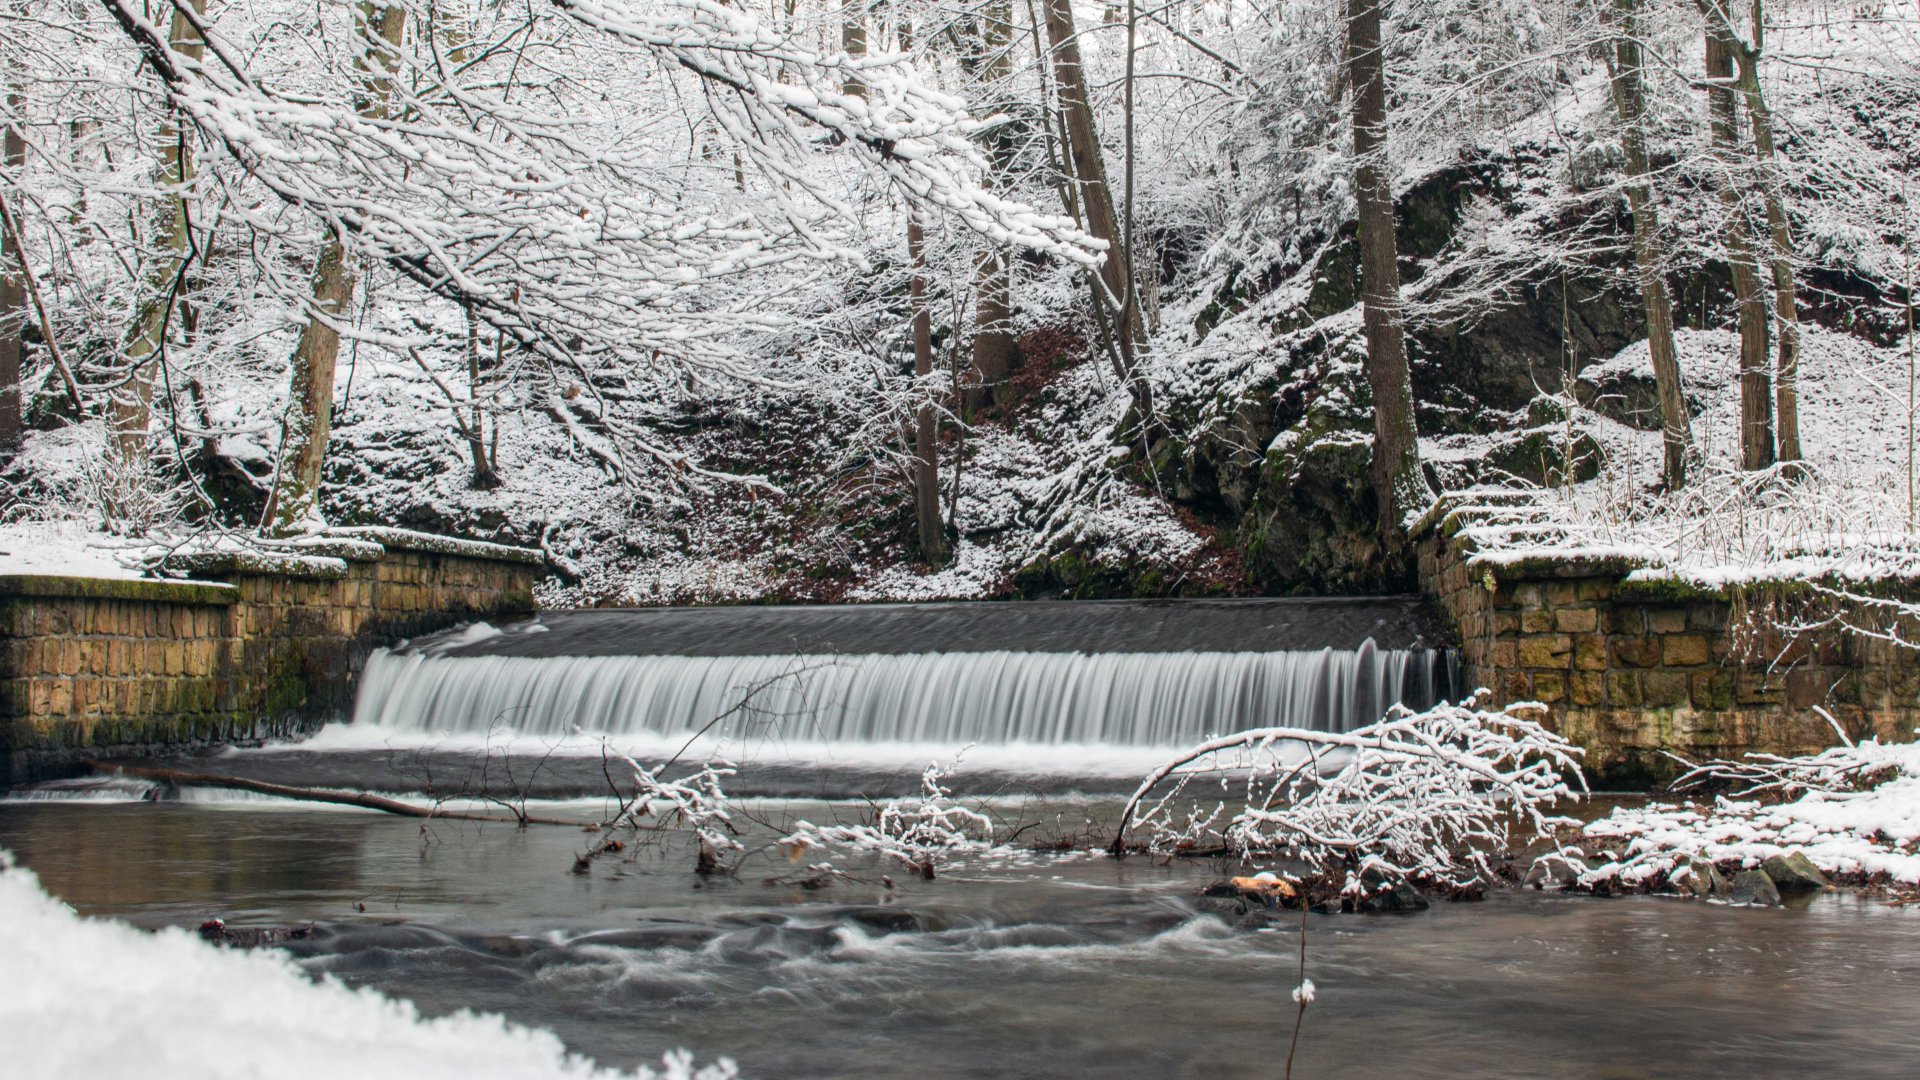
(323,795)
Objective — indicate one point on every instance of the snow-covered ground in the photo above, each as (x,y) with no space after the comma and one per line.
(91,998)
(65,548)
(1853,810)
(1848,516)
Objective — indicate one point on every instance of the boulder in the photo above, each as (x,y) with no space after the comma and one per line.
(1702,880)
(1794,872)
(1557,871)
(1402,897)
(1753,887)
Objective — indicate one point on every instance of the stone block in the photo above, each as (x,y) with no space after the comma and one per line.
(1504,654)
(1807,687)
(1659,688)
(1545,651)
(1759,688)
(1536,621)
(1576,620)
(1587,688)
(1713,689)
(1590,652)
(1634,651)
(1685,650)
(1708,617)
(1514,686)
(1666,620)
(1529,595)
(1549,687)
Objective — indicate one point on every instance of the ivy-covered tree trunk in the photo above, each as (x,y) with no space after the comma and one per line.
(1399,486)
(294,506)
(1630,103)
(1750,301)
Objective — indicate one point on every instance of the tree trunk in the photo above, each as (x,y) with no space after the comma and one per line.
(1629,99)
(1785,307)
(1089,178)
(1756,389)
(926,450)
(130,401)
(1400,488)
(294,506)
(484,477)
(996,352)
(13,289)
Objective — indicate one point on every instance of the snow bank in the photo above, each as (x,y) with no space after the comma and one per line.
(64,548)
(85,998)
(1848,831)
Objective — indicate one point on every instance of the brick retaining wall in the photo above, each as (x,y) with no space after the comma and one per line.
(252,647)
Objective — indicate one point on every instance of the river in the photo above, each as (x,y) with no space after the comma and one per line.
(1014,965)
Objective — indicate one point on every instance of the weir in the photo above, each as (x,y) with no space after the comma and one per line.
(1112,673)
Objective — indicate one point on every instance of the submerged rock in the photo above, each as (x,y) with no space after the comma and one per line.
(1398,897)
(1753,887)
(1794,873)
(251,937)
(886,920)
(1557,871)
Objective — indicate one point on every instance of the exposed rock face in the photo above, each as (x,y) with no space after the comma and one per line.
(1283,470)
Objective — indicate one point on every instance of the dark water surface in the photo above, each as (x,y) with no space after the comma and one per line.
(1033,966)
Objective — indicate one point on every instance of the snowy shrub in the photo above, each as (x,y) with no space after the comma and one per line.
(1430,795)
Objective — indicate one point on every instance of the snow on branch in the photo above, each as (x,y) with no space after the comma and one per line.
(913,831)
(920,136)
(1430,795)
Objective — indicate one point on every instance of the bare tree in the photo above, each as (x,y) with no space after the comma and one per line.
(1630,103)
(1756,382)
(294,505)
(996,351)
(1399,486)
(1746,54)
(130,400)
(13,289)
(1087,179)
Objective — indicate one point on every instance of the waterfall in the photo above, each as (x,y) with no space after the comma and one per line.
(1134,699)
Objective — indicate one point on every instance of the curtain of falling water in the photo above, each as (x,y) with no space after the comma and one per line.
(1120,699)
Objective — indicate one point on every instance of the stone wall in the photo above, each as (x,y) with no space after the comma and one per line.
(253,646)
(1633,670)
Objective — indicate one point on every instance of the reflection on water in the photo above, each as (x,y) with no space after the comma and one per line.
(1030,967)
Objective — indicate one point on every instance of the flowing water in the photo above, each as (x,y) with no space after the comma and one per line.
(1053,679)
(1010,964)
(1023,966)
